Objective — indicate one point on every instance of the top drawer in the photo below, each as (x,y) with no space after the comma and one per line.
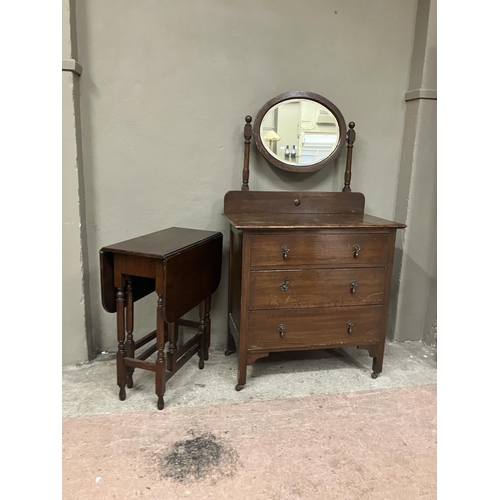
(316,249)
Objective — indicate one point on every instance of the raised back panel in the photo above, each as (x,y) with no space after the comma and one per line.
(293,202)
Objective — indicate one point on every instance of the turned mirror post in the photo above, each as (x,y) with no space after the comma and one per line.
(247,134)
(351,137)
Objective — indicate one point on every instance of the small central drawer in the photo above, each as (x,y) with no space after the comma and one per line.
(295,289)
(313,249)
(281,330)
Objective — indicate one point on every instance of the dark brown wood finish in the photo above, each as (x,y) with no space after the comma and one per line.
(120,329)
(307,269)
(314,328)
(311,275)
(230,344)
(378,359)
(247,135)
(234,289)
(344,138)
(293,202)
(202,261)
(130,346)
(183,267)
(351,137)
(286,96)
(322,248)
(160,357)
(309,288)
(244,312)
(141,286)
(271,222)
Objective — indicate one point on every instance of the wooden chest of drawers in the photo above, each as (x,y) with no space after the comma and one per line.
(307,271)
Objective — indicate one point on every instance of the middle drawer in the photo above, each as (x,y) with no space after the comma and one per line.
(297,289)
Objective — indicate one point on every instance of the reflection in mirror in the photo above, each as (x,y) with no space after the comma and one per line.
(299,132)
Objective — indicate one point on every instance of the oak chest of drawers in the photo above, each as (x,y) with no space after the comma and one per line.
(307,270)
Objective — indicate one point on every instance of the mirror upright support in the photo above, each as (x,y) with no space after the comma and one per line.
(351,137)
(247,133)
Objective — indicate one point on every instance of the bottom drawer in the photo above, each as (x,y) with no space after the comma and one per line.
(278,329)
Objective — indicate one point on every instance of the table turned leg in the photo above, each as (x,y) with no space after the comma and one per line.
(130,345)
(172,335)
(208,331)
(203,330)
(378,360)
(160,360)
(121,373)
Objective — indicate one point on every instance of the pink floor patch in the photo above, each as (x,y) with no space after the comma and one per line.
(362,445)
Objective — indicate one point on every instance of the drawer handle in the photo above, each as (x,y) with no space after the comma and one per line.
(356,249)
(281,329)
(353,286)
(284,286)
(350,326)
(285,251)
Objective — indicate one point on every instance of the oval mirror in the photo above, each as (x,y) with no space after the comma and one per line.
(299,131)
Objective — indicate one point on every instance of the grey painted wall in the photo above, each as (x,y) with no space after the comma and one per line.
(414,292)
(76,318)
(165,89)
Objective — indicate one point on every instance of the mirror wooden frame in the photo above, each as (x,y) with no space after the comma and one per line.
(344,138)
(311,96)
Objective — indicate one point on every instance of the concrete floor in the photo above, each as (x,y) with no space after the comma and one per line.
(90,389)
(370,445)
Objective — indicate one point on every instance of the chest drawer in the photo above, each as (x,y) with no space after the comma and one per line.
(309,249)
(291,289)
(280,329)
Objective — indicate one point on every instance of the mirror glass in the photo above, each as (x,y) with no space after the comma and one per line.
(299,132)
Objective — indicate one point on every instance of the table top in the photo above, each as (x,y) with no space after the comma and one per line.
(162,244)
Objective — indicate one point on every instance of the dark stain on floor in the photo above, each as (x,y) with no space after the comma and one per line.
(202,457)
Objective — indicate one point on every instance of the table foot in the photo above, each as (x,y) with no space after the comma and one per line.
(374,375)
(161,403)
(239,387)
(122,394)
(228,352)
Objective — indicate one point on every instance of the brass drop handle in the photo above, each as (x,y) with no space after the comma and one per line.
(353,286)
(350,326)
(284,286)
(285,251)
(356,249)
(281,329)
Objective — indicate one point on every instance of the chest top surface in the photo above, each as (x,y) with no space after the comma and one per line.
(263,210)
